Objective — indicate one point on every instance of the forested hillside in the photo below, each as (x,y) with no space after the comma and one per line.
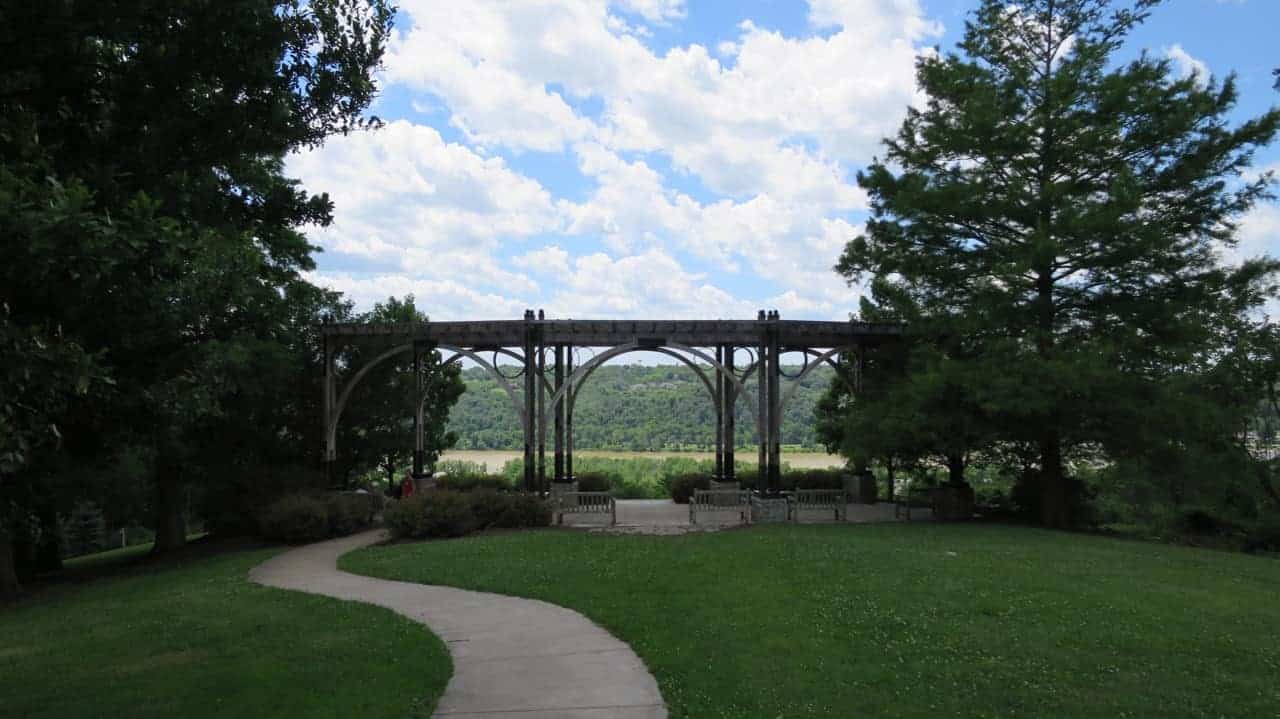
(634,407)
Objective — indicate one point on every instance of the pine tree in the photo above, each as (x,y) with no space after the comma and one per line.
(1052,220)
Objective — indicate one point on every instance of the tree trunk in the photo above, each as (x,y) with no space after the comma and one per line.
(888,473)
(9,585)
(49,550)
(171,522)
(955,469)
(1055,500)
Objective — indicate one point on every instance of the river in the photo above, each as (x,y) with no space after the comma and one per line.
(495,458)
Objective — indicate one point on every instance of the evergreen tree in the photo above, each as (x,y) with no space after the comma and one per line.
(1051,220)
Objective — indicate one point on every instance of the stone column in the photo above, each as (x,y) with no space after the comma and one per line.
(530,402)
(558,410)
(729,401)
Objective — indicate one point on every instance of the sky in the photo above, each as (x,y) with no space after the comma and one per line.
(664,158)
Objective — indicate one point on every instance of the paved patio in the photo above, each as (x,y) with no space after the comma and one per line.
(663,516)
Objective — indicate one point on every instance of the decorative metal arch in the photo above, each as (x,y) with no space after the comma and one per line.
(584,370)
(810,366)
(763,338)
(332,429)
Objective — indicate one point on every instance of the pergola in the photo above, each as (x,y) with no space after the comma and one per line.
(544,349)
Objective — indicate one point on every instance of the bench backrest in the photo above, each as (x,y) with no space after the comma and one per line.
(819,497)
(585,501)
(720,497)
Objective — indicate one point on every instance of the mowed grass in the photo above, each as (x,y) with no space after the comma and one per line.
(200,640)
(900,620)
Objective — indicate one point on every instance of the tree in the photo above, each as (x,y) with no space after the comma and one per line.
(376,431)
(174,117)
(1064,214)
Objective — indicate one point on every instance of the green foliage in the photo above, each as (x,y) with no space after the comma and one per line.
(83,530)
(157,640)
(436,514)
(151,237)
(1050,224)
(376,429)
(296,518)
(302,517)
(938,620)
(593,481)
(445,513)
(468,483)
(461,468)
(682,486)
(634,407)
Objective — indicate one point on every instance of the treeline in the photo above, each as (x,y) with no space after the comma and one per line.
(159,359)
(637,407)
(1056,229)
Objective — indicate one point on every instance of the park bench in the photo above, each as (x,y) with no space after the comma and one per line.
(585,503)
(906,496)
(832,500)
(710,500)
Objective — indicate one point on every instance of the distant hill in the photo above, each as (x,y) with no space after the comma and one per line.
(633,407)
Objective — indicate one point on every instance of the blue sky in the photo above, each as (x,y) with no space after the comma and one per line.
(644,158)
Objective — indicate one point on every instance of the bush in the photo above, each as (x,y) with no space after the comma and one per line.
(437,513)
(474,482)
(682,486)
(296,518)
(593,482)
(1264,536)
(817,478)
(487,506)
(349,511)
(522,511)
(445,513)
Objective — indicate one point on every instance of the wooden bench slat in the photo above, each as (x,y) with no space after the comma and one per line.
(713,499)
(832,499)
(585,503)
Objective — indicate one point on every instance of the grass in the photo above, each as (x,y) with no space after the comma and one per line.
(115,557)
(900,620)
(199,640)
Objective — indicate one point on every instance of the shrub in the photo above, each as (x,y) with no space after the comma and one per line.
(1264,536)
(445,513)
(523,510)
(295,518)
(817,478)
(593,482)
(349,512)
(682,486)
(437,513)
(1201,522)
(487,506)
(474,482)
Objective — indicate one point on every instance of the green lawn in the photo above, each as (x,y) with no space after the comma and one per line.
(199,640)
(900,620)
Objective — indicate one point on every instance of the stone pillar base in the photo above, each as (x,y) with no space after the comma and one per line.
(723,485)
(769,509)
(421,484)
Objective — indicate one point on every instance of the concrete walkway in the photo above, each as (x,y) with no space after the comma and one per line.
(512,658)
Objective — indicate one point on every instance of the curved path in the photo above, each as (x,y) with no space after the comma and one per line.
(512,658)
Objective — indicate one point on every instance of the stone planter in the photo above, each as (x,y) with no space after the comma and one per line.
(953,502)
(770,509)
(867,492)
(861,488)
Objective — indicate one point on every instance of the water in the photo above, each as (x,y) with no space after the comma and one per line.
(495,458)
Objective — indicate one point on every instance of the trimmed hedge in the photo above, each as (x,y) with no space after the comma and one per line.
(683,485)
(303,517)
(474,482)
(442,513)
(593,482)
